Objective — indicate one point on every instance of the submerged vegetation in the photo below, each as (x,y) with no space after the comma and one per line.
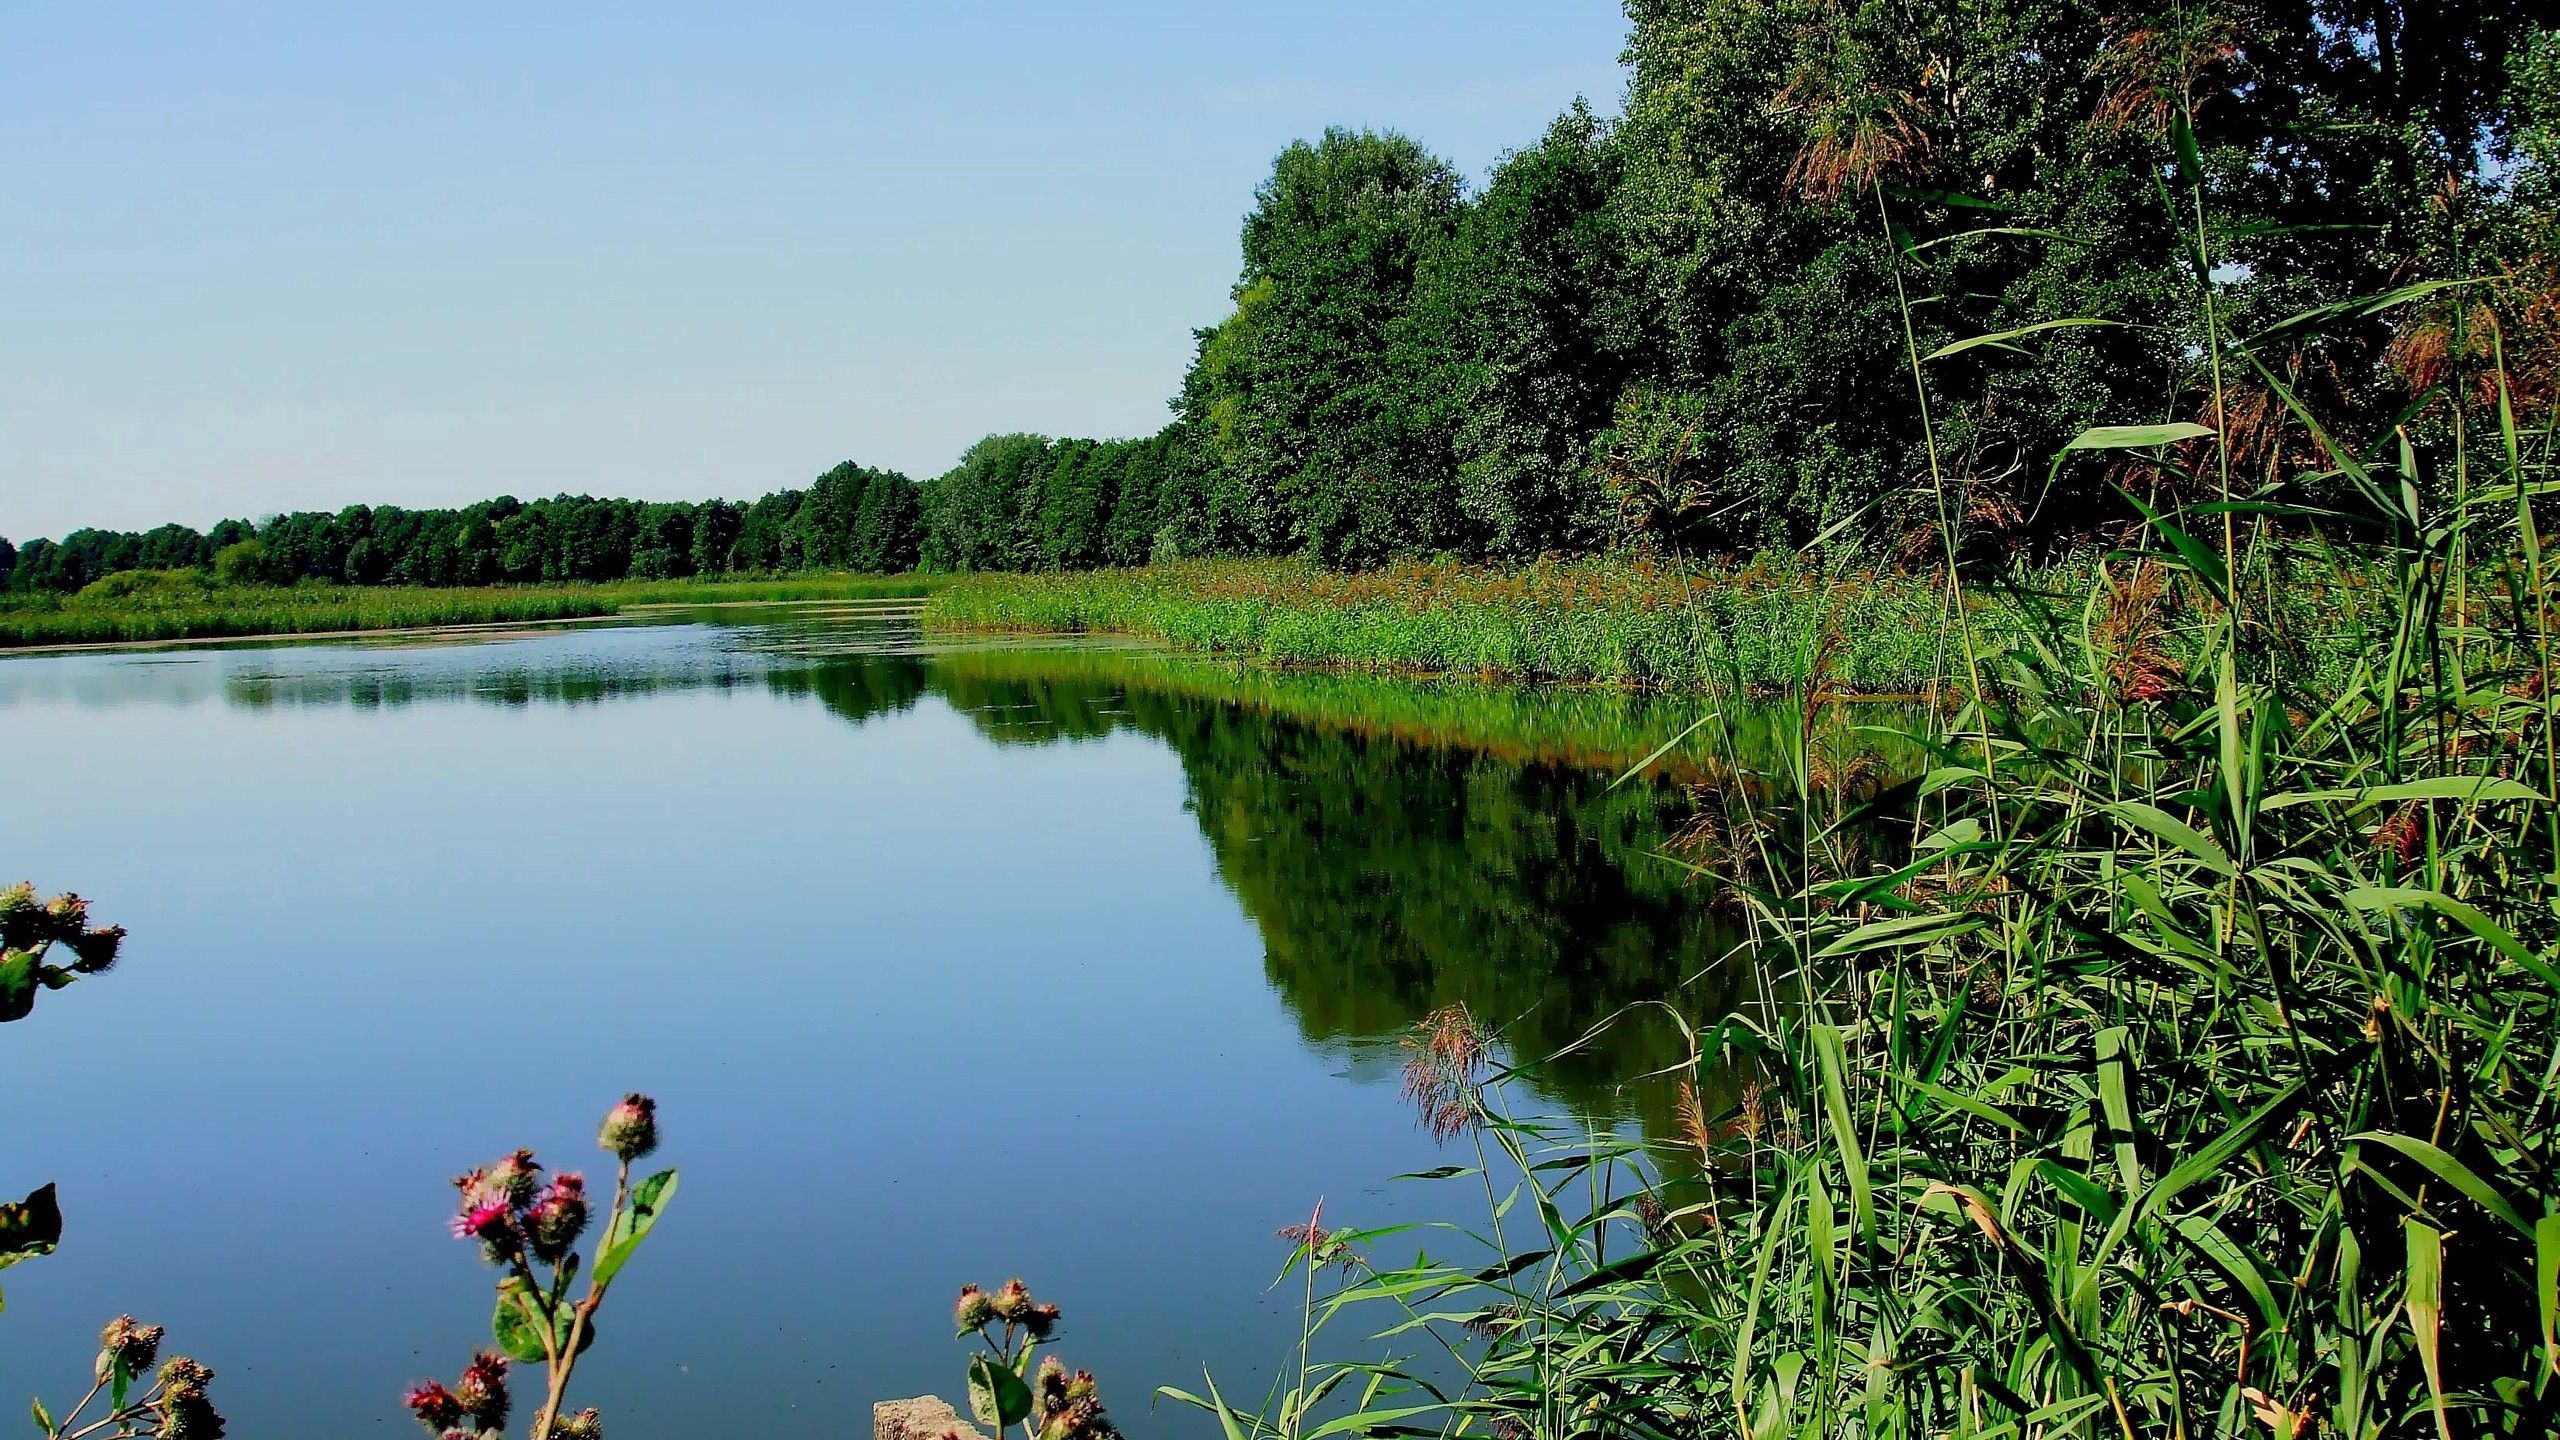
(185,604)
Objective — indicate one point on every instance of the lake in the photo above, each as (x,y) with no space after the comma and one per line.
(1074,961)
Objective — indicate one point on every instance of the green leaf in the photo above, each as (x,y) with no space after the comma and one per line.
(2441,787)
(632,1224)
(2002,338)
(31,1227)
(1844,1131)
(2136,437)
(2115,1088)
(519,1332)
(2546,1253)
(17,984)
(2452,1172)
(2394,897)
(44,1418)
(997,1396)
(2160,823)
(2425,1301)
(1901,931)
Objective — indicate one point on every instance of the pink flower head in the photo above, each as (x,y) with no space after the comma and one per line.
(435,1407)
(485,1220)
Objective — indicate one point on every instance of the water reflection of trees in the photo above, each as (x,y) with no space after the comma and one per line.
(1400,847)
(1392,873)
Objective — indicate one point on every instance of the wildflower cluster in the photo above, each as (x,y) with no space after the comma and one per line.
(1067,1406)
(1011,1307)
(529,1227)
(173,1405)
(30,928)
(1056,1404)
(474,1408)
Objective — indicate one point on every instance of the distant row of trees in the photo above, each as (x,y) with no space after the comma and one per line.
(1684,327)
(851,518)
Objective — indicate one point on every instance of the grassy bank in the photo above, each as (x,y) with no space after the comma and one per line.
(1771,625)
(183,605)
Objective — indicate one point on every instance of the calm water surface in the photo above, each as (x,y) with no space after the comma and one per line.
(1084,964)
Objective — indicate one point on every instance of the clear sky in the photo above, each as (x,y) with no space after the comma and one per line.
(257,257)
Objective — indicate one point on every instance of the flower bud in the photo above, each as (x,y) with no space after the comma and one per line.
(513,1179)
(435,1406)
(66,915)
(482,1390)
(185,1413)
(630,1128)
(190,1417)
(136,1345)
(96,949)
(585,1425)
(19,915)
(557,1218)
(1012,1302)
(1040,1320)
(184,1377)
(973,1310)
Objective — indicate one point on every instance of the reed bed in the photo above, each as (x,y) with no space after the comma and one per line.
(1777,624)
(2186,1061)
(183,605)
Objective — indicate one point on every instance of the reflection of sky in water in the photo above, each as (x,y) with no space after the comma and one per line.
(920,1008)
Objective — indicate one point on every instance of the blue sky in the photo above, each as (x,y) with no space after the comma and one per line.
(273,256)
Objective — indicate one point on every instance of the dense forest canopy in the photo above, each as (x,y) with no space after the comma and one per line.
(1682,327)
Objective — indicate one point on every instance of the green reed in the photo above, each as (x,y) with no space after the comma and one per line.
(144,606)
(2188,1065)
(1775,624)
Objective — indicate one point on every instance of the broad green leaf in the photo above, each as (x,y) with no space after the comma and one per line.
(632,1225)
(17,984)
(997,1396)
(31,1227)
(518,1330)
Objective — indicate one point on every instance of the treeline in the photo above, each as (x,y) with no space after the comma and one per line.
(851,518)
(1684,328)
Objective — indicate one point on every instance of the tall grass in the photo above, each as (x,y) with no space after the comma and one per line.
(2190,1066)
(1775,624)
(183,605)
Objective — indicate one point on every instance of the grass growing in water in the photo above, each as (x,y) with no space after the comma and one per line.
(1775,624)
(2192,1066)
(185,604)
